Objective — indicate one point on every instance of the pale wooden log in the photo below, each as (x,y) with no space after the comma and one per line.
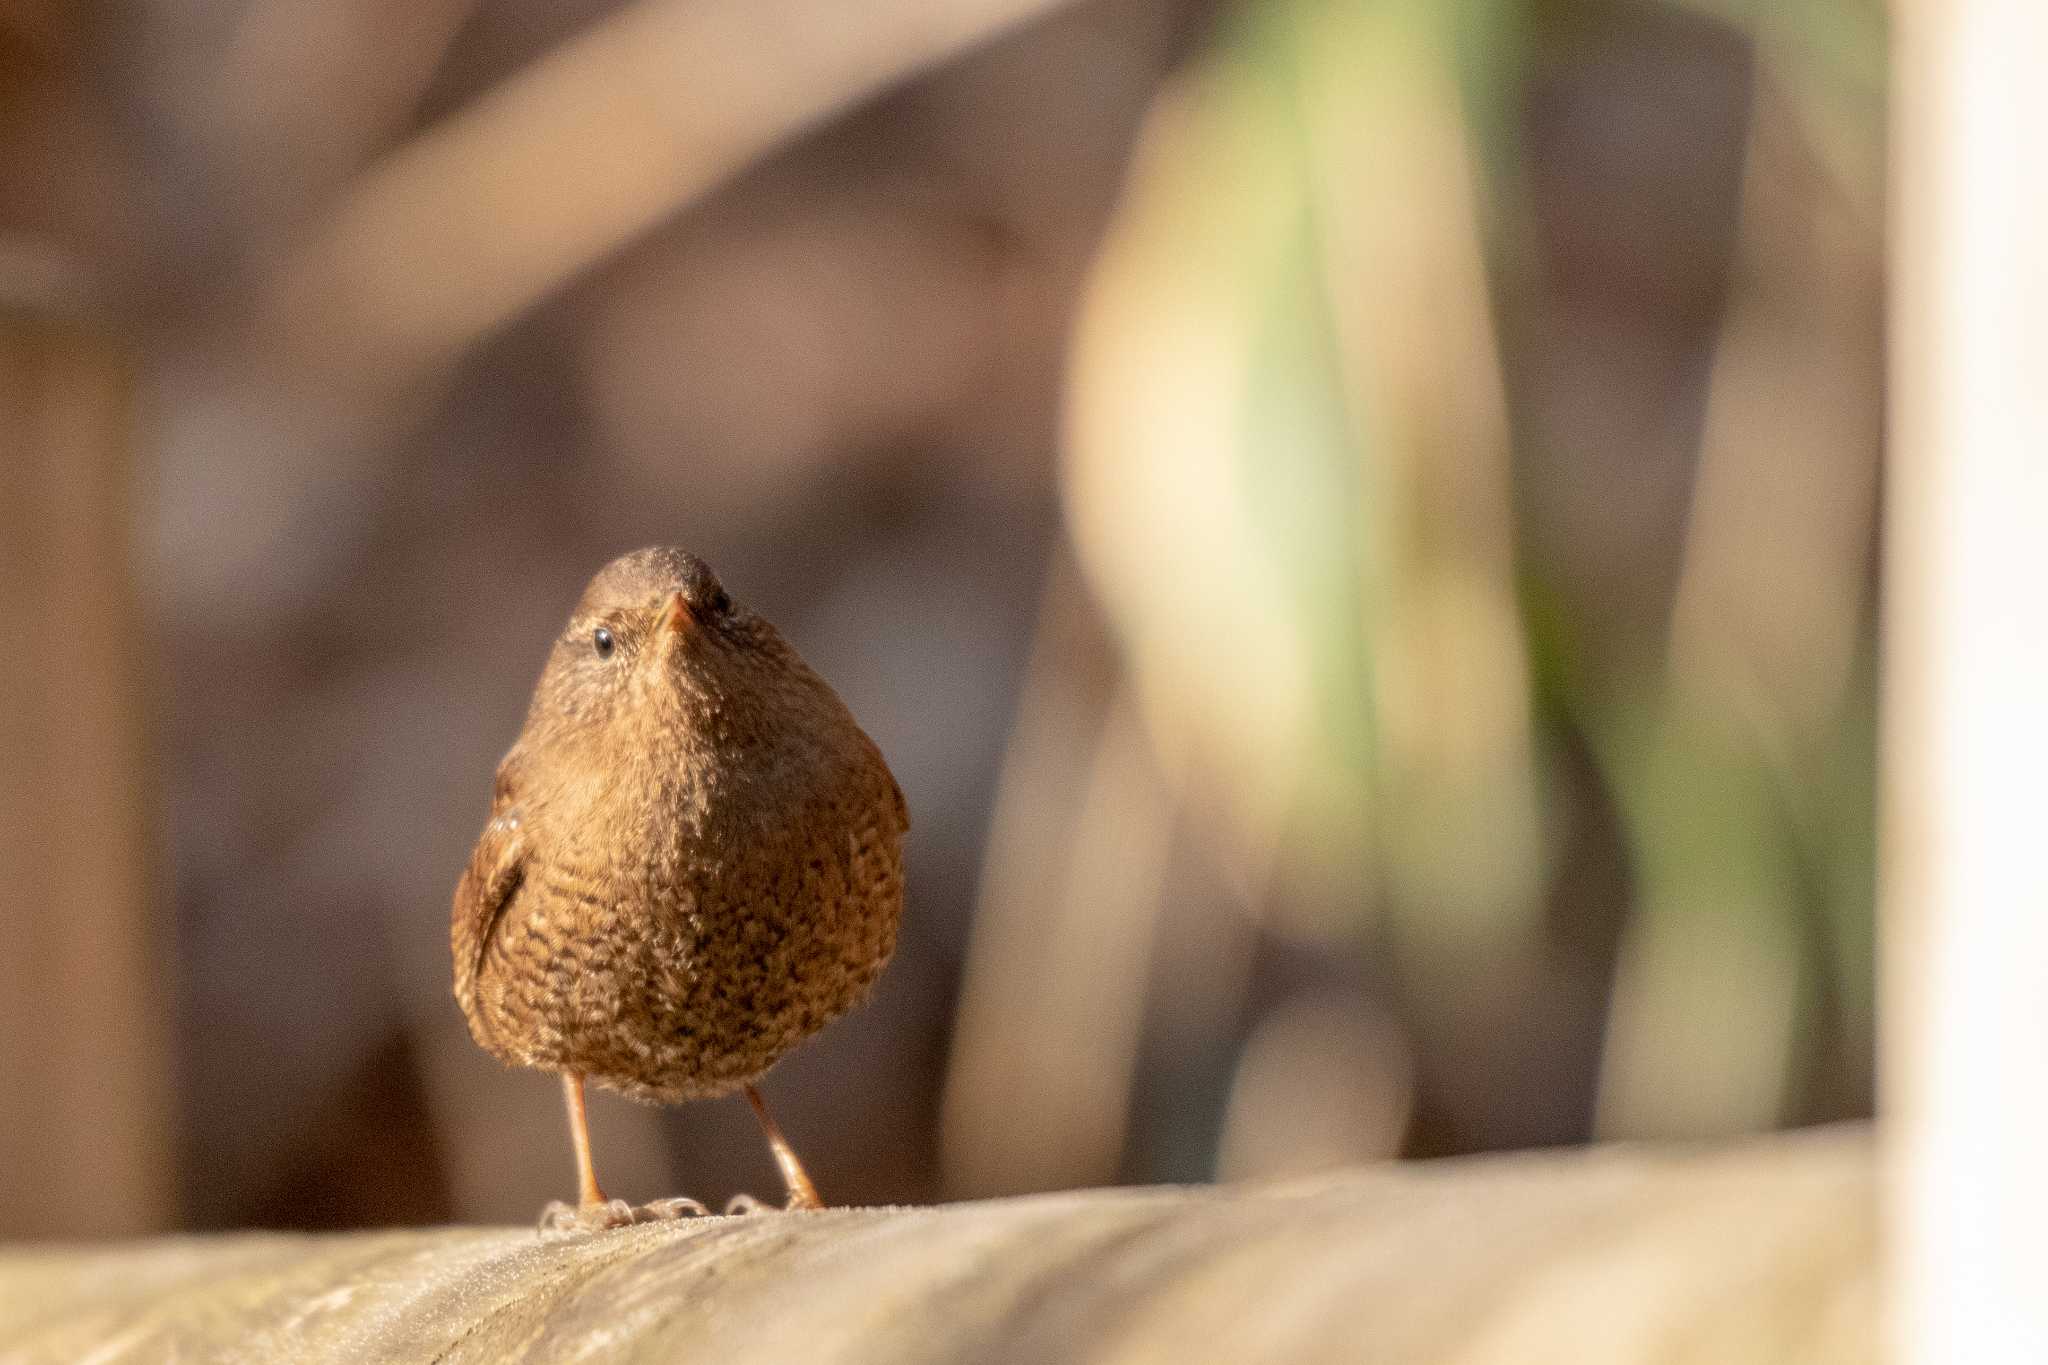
(1758,1252)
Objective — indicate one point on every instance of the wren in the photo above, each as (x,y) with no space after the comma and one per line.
(694,861)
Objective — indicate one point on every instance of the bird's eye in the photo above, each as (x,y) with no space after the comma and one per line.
(602,639)
(719,604)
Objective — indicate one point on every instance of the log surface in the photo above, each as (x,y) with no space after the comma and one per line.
(1761,1251)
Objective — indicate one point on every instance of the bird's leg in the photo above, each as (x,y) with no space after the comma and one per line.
(593,1210)
(587,1191)
(802,1193)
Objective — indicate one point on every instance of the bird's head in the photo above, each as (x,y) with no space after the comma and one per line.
(654,631)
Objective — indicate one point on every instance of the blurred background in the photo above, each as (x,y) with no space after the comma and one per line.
(1352,520)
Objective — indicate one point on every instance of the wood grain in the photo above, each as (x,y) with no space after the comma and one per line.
(1757,1252)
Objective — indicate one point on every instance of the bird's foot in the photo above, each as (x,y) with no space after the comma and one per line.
(574,1220)
(568,1220)
(746,1203)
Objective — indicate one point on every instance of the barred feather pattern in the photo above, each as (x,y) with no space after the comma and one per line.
(683,876)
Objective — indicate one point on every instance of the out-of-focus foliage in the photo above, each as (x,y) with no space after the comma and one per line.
(1290,477)
(1351,520)
(1287,467)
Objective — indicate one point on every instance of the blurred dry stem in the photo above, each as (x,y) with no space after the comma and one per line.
(1419,368)
(85,1064)
(1046,1043)
(1295,373)
(481,216)
(1727,786)
(1326,1080)
(1153,409)
(308,90)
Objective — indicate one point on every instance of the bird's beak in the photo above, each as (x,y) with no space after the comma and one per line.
(676,620)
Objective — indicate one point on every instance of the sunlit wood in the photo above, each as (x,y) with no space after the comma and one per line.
(1761,1252)
(1966,879)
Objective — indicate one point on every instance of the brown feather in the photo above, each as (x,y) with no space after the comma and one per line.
(694,859)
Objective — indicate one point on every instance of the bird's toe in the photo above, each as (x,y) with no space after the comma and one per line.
(573,1220)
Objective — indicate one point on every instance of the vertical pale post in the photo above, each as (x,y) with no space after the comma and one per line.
(1966,806)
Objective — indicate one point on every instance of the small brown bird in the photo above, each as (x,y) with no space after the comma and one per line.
(693,862)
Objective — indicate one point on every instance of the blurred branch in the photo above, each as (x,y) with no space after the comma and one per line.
(1759,1253)
(1038,1086)
(40,279)
(482,216)
(313,86)
(82,1008)
(472,223)
(1727,788)
(1294,373)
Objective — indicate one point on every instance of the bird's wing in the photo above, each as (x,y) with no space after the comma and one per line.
(496,867)
(902,806)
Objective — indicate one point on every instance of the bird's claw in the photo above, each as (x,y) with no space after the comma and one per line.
(560,1220)
(742,1204)
(570,1220)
